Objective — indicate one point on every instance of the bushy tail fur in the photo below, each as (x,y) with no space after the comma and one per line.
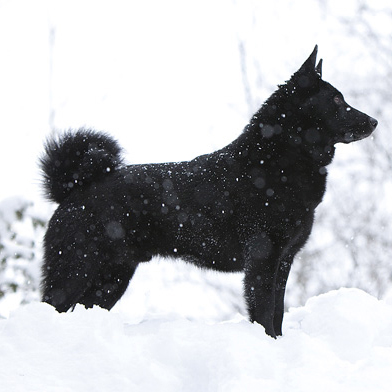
(76,159)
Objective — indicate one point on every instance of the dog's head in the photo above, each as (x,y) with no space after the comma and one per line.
(324,107)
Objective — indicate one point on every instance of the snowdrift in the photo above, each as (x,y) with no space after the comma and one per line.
(339,341)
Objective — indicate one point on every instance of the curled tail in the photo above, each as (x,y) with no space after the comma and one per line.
(76,159)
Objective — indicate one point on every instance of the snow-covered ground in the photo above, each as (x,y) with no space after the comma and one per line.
(340,341)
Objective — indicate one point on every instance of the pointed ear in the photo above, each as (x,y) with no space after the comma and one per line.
(318,67)
(310,63)
(308,76)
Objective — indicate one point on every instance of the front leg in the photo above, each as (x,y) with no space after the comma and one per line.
(280,288)
(286,260)
(261,266)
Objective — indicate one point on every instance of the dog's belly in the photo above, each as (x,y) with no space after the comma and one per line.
(209,246)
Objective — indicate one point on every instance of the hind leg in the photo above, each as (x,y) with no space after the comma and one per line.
(65,278)
(70,257)
(80,262)
(108,286)
(89,282)
(86,277)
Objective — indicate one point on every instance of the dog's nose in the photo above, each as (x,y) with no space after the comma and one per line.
(373,122)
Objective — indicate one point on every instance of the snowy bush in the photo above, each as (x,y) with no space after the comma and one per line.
(22,225)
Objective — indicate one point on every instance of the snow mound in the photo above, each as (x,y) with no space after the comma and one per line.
(340,341)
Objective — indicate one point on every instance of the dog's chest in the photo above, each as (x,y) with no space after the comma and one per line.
(281,189)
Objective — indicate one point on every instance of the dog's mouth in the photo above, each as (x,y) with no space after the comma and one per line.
(354,137)
(366,130)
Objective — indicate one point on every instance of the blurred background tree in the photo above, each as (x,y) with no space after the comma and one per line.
(21,230)
(352,241)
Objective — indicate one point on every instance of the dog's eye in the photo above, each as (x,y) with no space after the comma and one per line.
(338,100)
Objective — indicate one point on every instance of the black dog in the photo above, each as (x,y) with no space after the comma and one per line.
(247,207)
